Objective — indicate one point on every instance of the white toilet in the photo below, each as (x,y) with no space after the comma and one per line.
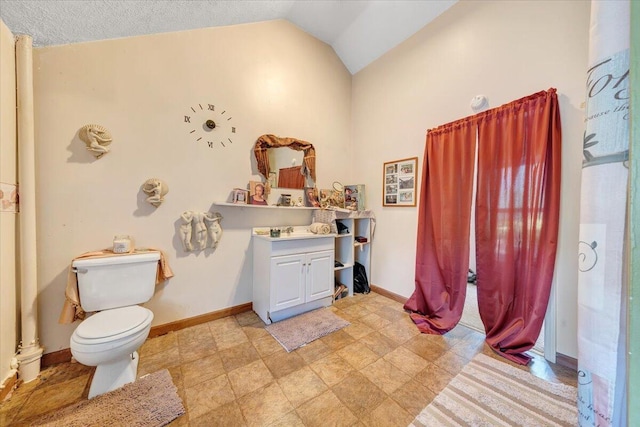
(113,286)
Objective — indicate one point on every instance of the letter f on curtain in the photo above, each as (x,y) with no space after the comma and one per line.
(517,215)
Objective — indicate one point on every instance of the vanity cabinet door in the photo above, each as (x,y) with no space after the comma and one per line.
(287,281)
(319,275)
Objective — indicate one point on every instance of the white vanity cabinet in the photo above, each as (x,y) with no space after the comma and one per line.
(292,275)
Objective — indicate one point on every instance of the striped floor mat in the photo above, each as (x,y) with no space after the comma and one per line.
(488,392)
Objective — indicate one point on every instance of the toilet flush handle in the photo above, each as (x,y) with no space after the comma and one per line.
(79,270)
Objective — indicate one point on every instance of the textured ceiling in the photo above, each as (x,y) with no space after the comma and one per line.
(359,31)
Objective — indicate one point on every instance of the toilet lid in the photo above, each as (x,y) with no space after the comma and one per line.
(117,321)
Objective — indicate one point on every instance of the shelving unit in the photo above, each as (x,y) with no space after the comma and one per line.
(348,251)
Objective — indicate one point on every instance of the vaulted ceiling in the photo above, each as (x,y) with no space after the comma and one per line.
(359,31)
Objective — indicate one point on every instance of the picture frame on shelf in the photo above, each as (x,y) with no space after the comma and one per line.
(257,193)
(311,197)
(400,183)
(240,196)
(332,197)
(354,197)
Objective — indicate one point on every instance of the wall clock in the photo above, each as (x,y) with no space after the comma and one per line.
(210,124)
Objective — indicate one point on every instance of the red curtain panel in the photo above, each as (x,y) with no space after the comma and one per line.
(517,216)
(442,258)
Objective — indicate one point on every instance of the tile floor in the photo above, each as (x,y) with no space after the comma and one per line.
(379,371)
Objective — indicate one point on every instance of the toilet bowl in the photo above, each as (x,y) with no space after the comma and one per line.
(109,340)
(112,287)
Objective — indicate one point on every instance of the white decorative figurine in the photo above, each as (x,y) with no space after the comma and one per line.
(185,230)
(97,138)
(213,228)
(205,228)
(156,189)
(200,229)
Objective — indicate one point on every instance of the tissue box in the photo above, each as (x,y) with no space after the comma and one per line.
(354,197)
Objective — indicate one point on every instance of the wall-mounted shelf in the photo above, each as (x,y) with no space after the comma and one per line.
(243,205)
(343,235)
(343,267)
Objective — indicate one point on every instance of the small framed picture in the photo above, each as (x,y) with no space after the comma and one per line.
(240,196)
(399,182)
(257,193)
(354,197)
(311,197)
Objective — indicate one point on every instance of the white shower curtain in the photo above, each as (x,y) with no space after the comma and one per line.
(601,290)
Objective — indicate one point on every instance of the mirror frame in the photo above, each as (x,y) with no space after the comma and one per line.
(264,142)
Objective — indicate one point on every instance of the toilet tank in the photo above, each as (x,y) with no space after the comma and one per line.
(116,281)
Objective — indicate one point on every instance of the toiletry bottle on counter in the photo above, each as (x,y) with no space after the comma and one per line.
(122,244)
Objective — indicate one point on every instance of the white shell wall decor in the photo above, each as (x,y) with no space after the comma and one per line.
(155,189)
(97,138)
(200,230)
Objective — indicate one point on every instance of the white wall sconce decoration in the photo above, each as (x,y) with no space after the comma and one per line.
(479,103)
(97,138)
(201,227)
(155,189)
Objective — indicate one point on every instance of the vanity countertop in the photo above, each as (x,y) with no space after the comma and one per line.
(297,234)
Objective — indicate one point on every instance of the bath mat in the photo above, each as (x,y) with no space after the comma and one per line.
(151,401)
(489,392)
(297,331)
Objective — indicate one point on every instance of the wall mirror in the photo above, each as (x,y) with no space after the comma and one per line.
(285,168)
(286,162)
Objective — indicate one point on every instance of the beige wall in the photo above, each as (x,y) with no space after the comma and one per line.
(271,77)
(504,50)
(8,174)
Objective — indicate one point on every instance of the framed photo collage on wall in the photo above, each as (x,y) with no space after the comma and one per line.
(400,183)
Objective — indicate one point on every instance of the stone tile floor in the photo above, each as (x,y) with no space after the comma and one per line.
(379,371)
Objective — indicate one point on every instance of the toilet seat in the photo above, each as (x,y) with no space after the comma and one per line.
(111,325)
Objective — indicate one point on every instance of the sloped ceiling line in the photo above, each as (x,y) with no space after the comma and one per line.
(359,31)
